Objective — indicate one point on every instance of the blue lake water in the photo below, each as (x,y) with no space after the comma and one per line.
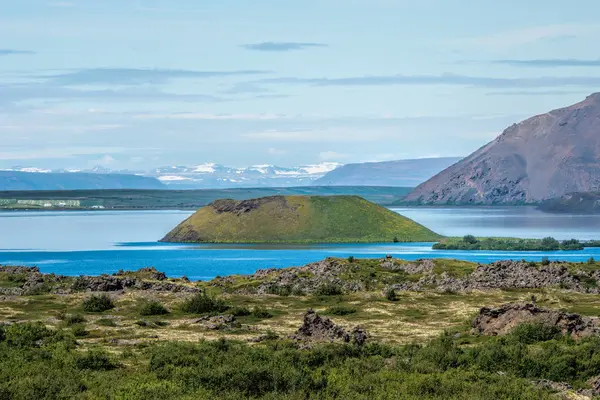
(74,243)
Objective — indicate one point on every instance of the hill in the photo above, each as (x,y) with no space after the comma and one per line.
(573,203)
(390,173)
(16,180)
(540,158)
(298,219)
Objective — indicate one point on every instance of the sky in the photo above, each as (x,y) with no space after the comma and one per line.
(138,84)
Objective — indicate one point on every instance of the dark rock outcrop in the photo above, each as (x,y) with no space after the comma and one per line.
(318,329)
(543,157)
(500,321)
(218,322)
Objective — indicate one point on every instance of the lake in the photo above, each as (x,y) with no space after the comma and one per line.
(92,243)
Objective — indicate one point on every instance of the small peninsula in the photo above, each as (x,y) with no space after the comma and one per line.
(298,219)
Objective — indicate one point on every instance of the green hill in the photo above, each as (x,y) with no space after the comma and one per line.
(298,219)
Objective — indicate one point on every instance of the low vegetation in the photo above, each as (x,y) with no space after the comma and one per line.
(98,303)
(470,242)
(299,219)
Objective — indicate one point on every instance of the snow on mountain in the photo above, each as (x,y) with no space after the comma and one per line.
(211,175)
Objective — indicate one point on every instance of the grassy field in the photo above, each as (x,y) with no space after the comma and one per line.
(420,345)
(190,199)
(300,219)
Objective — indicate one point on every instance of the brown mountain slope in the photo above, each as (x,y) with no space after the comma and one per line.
(543,157)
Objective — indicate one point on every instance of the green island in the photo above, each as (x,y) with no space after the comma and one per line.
(470,242)
(298,219)
(429,329)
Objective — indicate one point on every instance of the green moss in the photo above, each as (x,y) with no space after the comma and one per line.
(299,219)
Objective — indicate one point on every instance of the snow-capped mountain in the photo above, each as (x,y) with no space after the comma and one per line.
(212,175)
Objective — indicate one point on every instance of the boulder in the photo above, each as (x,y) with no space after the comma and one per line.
(318,329)
(500,321)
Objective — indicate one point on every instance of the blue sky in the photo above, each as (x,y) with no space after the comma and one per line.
(144,83)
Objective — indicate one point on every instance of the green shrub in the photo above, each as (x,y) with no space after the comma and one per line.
(79,330)
(391,295)
(106,322)
(95,360)
(284,290)
(340,310)
(328,289)
(202,303)
(470,239)
(74,319)
(533,333)
(153,308)
(27,334)
(98,303)
(351,259)
(262,313)
(240,311)
(591,260)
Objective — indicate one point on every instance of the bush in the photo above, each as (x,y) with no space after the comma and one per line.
(240,312)
(533,333)
(27,334)
(340,310)
(262,313)
(106,322)
(391,295)
(550,244)
(79,330)
(95,360)
(328,289)
(351,259)
(202,303)
(98,303)
(74,319)
(470,239)
(153,308)
(591,260)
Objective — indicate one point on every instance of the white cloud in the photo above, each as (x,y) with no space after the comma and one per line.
(277,152)
(316,135)
(524,36)
(55,152)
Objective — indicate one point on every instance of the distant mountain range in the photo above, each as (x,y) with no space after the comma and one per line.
(17,180)
(543,157)
(405,173)
(219,176)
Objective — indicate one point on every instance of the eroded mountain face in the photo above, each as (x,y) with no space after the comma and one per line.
(542,157)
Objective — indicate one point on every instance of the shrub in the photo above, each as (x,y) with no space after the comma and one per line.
(351,259)
(284,290)
(470,239)
(95,360)
(341,310)
(396,240)
(202,303)
(391,295)
(533,333)
(549,243)
(328,289)
(106,322)
(98,303)
(262,313)
(74,319)
(153,308)
(79,330)
(240,312)
(591,260)
(27,334)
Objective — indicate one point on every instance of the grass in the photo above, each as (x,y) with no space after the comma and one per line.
(301,219)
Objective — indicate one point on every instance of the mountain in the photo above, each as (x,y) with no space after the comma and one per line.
(540,158)
(17,180)
(298,219)
(218,176)
(405,173)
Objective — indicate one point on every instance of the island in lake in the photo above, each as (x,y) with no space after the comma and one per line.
(298,219)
